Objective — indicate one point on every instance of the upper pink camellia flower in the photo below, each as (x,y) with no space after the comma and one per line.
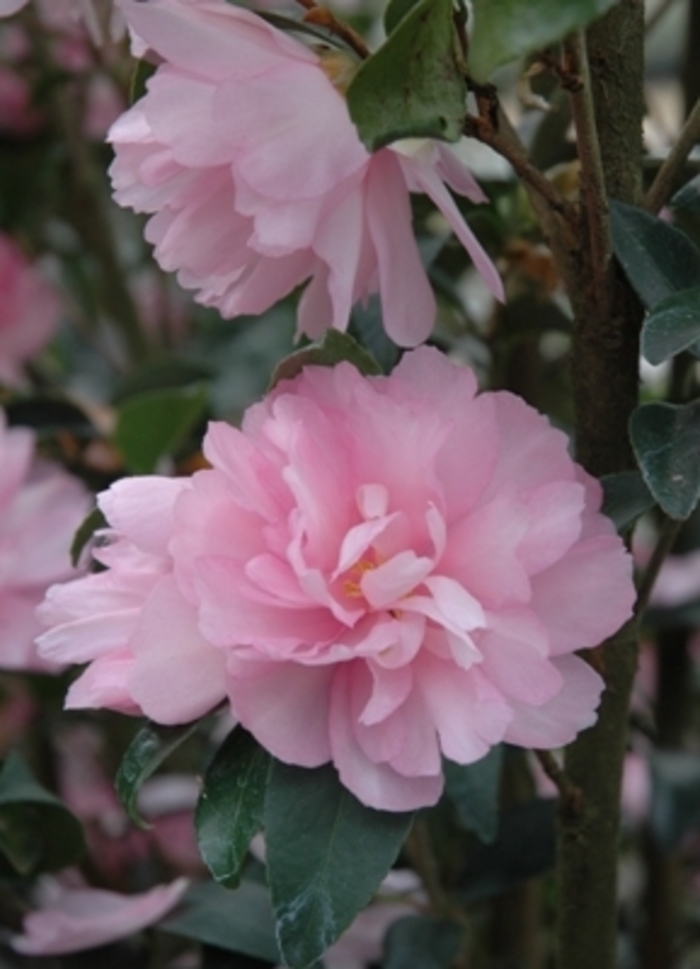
(40,508)
(30,310)
(374,572)
(245,154)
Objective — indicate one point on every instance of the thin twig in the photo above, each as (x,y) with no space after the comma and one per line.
(670,172)
(595,206)
(322,17)
(568,792)
(667,536)
(493,128)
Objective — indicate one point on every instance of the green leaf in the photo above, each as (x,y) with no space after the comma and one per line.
(239,921)
(84,533)
(395,11)
(507,29)
(326,856)
(163,373)
(151,746)
(231,806)
(334,348)
(672,326)
(658,259)
(687,198)
(153,424)
(413,86)
(666,441)
(625,498)
(140,75)
(474,791)
(37,832)
(422,941)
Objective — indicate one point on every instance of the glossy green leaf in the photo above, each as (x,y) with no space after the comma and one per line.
(326,856)
(507,29)
(672,326)
(84,533)
(666,441)
(37,832)
(231,806)
(240,921)
(658,259)
(422,941)
(151,746)
(154,424)
(334,348)
(413,86)
(474,791)
(625,498)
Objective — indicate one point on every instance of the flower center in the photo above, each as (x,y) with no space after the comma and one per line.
(339,66)
(351,586)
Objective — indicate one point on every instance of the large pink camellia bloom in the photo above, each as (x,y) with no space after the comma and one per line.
(374,572)
(244,153)
(40,508)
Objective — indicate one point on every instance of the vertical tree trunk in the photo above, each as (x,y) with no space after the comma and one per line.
(605,373)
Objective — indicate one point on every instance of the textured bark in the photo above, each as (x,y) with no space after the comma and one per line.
(605,374)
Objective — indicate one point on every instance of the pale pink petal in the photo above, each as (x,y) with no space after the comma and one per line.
(557,722)
(586,596)
(142,509)
(176,676)
(285,706)
(84,918)
(408,304)
(376,785)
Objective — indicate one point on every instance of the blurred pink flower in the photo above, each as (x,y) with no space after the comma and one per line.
(74,919)
(40,508)
(244,153)
(375,572)
(30,310)
(101,18)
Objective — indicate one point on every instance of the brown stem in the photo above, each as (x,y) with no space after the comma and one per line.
(605,356)
(670,174)
(494,129)
(592,180)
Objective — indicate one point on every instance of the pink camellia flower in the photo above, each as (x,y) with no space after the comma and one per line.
(74,919)
(374,572)
(40,508)
(30,310)
(244,153)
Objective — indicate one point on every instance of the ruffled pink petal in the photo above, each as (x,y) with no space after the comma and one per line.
(408,304)
(142,509)
(176,676)
(587,595)
(105,685)
(374,784)
(430,182)
(557,722)
(285,707)
(211,39)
